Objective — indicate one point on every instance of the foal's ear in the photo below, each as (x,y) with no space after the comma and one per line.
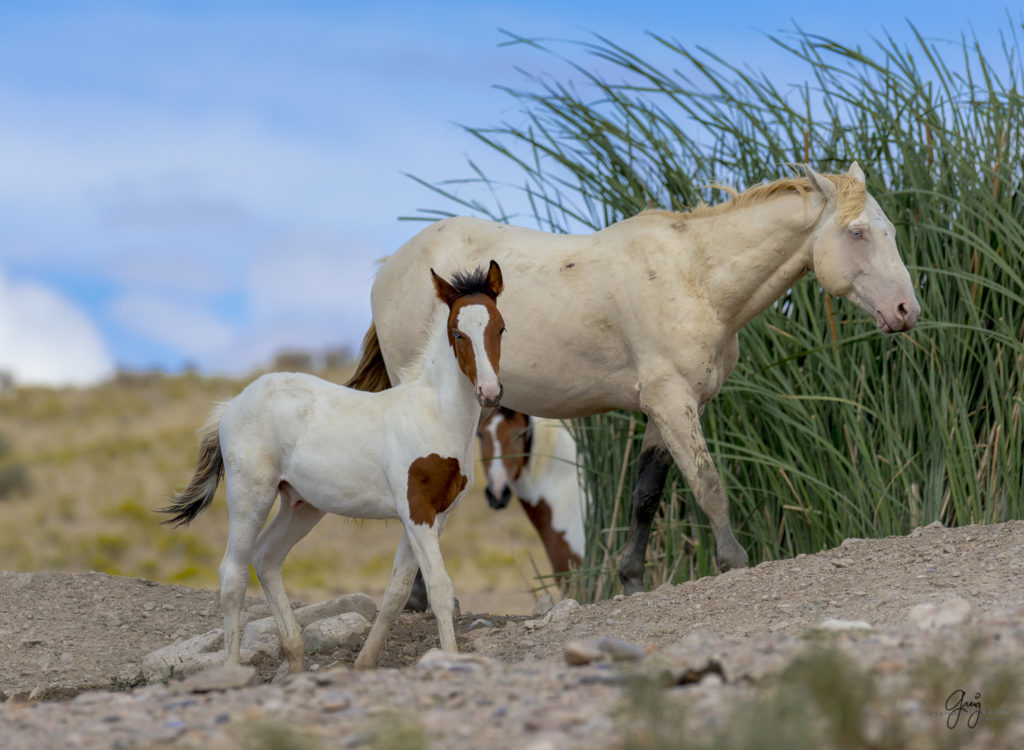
(822,184)
(856,172)
(445,291)
(494,282)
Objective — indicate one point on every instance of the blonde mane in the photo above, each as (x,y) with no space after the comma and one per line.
(851,197)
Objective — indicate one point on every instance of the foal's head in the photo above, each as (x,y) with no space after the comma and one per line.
(504,449)
(855,253)
(475,327)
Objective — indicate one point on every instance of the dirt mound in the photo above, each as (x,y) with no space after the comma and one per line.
(68,633)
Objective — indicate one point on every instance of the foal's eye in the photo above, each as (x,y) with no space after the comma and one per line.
(456,334)
(857,233)
(502,330)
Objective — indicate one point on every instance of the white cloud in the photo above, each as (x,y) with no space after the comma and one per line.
(46,340)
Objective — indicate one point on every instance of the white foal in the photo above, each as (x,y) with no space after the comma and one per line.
(405,453)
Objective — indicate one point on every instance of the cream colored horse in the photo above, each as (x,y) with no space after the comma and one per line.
(645,314)
(406,453)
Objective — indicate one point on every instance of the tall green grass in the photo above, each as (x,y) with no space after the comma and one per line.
(826,429)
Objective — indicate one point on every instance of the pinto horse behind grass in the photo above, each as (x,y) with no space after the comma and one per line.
(645,315)
(406,453)
(536,460)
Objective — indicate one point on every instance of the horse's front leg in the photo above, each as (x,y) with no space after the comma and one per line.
(655,461)
(671,405)
(440,591)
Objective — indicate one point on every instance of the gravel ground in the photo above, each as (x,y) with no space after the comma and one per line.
(921,617)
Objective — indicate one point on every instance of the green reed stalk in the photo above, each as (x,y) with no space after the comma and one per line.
(826,429)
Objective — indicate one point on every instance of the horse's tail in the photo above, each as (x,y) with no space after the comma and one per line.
(371,374)
(191,501)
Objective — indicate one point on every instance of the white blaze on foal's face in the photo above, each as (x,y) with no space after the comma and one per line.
(475,328)
(497,477)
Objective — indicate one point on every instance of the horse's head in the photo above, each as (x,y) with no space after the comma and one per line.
(475,327)
(504,449)
(855,253)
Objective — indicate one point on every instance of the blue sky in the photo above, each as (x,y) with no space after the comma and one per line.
(203,183)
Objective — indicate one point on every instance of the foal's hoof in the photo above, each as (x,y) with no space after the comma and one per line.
(364,662)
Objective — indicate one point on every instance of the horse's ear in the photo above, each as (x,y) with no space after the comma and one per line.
(820,183)
(445,291)
(856,172)
(495,285)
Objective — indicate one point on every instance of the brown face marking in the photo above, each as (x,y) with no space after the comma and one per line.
(434,483)
(463,347)
(561,556)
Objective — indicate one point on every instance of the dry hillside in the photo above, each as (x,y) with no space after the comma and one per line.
(101,460)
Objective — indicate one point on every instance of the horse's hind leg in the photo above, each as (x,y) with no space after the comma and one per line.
(402,574)
(655,461)
(293,521)
(248,507)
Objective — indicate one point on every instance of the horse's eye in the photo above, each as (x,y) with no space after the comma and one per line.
(857,234)
(456,334)
(502,330)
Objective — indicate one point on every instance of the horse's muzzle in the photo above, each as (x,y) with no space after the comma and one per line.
(902,318)
(491,401)
(498,502)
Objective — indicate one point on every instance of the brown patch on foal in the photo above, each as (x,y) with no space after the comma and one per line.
(562,557)
(434,483)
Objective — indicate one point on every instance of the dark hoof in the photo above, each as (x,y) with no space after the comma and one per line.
(632,587)
(732,559)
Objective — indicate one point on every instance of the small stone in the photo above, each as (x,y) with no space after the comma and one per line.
(843,562)
(159,664)
(282,674)
(600,648)
(544,605)
(561,610)
(955,611)
(333,701)
(360,603)
(831,623)
(435,658)
(480,622)
(335,632)
(684,668)
(220,679)
(257,646)
(52,693)
(712,679)
(584,651)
